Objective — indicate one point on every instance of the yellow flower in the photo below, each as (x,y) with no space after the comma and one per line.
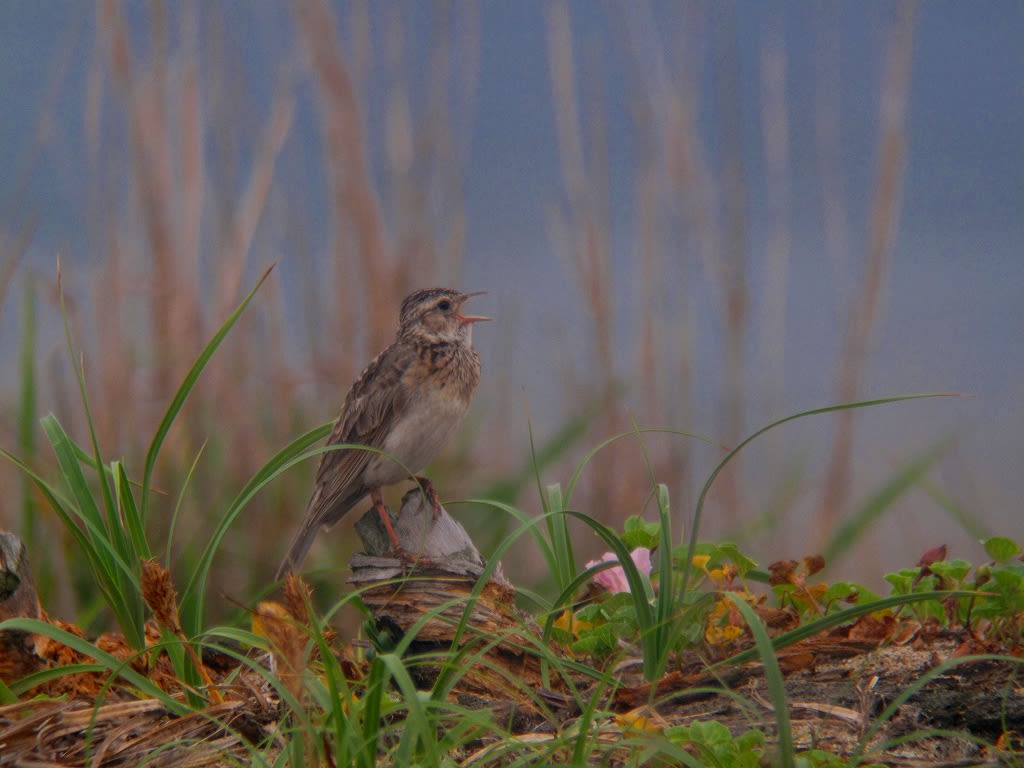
(638,720)
(701,561)
(568,623)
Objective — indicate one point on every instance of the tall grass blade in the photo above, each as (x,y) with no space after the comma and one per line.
(186,387)
(27,444)
(186,483)
(419,736)
(698,510)
(845,616)
(105,543)
(902,480)
(372,707)
(558,534)
(139,546)
(97,459)
(936,672)
(773,679)
(553,449)
(297,451)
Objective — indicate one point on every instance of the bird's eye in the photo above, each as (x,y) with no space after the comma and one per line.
(444,305)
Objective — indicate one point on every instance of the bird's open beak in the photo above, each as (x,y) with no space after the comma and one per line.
(471,318)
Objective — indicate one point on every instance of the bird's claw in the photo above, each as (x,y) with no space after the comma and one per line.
(428,488)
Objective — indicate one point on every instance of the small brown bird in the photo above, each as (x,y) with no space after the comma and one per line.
(406,404)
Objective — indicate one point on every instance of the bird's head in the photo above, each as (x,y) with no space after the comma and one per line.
(437,313)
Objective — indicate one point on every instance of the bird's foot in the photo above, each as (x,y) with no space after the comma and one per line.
(385,519)
(428,488)
(397,550)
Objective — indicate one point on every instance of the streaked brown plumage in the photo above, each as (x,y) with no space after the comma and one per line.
(405,404)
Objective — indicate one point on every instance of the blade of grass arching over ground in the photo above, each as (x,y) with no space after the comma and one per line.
(968,520)
(905,478)
(115,666)
(641,590)
(297,451)
(186,387)
(773,680)
(698,510)
(932,674)
(528,524)
(844,616)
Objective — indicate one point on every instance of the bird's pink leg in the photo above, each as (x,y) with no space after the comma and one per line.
(385,518)
(428,488)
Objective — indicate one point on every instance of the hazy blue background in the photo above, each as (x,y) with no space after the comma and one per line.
(953,318)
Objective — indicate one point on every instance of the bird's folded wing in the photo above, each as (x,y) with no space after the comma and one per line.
(372,406)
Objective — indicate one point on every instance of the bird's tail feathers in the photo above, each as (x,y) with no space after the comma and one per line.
(297,550)
(319,515)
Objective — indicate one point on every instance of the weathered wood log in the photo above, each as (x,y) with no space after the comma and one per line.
(17,599)
(17,592)
(431,590)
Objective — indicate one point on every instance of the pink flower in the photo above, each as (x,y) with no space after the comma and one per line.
(614,579)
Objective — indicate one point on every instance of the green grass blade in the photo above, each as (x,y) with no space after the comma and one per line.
(71,471)
(418,730)
(773,680)
(115,666)
(130,513)
(698,510)
(186,483)
(97,458)
(186,387)
(528,525)
(27,440)
(297,451)
(558,533)
(842,617)
(640,589)
(376,681)
(936,672)
(905,478)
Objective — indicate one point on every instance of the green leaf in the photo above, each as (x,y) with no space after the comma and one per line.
(1001,548)
(637,532)
(955,570)
(848,591)
(743,563)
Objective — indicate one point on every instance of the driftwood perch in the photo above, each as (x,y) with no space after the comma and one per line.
(436,588)
(17,593)
(440,544)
